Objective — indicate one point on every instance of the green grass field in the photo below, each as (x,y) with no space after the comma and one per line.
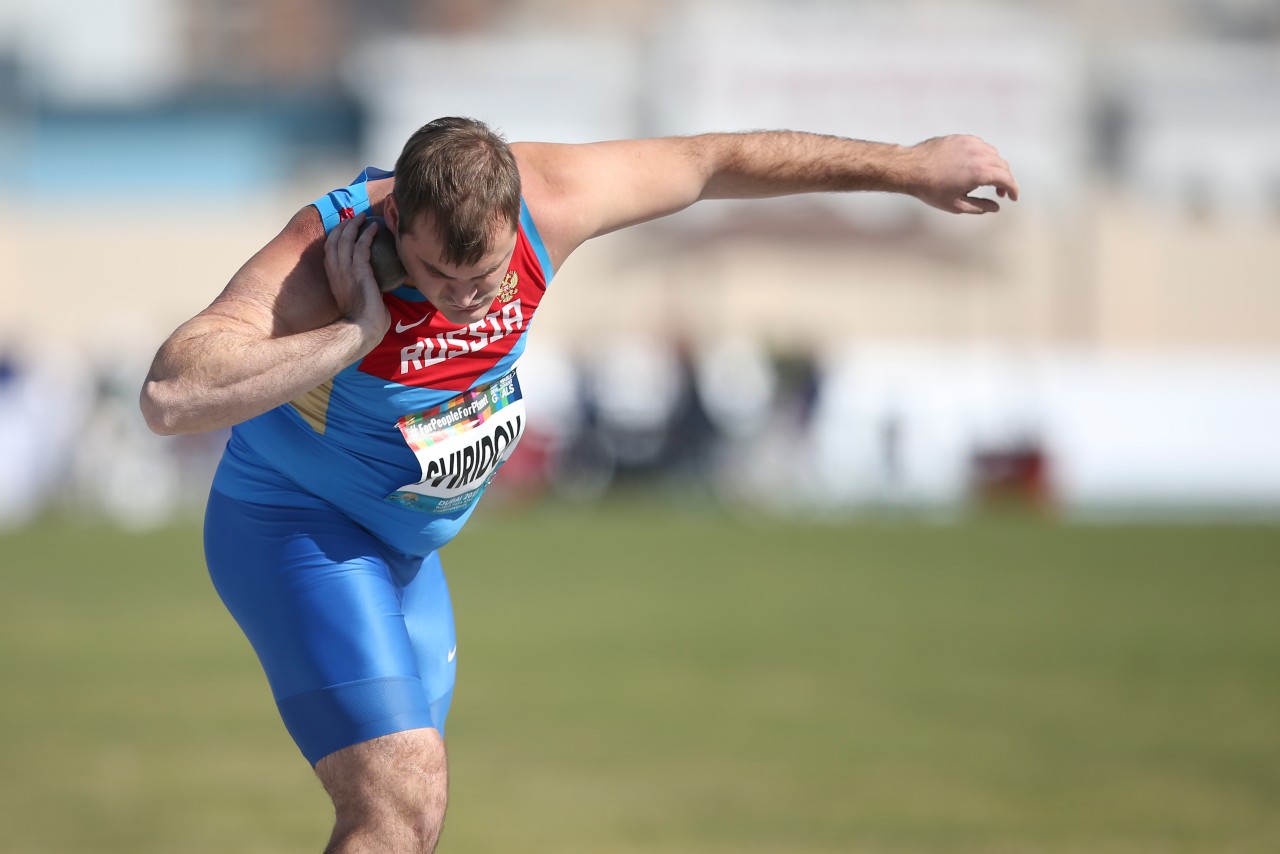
(675,681)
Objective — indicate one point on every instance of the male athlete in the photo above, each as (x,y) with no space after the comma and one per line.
(368,420)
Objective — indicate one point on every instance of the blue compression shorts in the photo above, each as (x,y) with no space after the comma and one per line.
(357,640)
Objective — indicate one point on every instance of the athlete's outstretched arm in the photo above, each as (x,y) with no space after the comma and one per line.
(577,192)
(303,308)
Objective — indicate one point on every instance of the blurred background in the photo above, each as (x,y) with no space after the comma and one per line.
(1110,344)
(834,374)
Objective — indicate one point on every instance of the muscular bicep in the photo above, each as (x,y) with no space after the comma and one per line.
(577,192)
(283,289)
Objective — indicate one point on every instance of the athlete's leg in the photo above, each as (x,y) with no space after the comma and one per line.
(321,602)
(428,617)
(389,794)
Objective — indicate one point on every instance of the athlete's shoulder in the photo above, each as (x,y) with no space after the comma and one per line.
(304,228)
(542,168)
(364,194)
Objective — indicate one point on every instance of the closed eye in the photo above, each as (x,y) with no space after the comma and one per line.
(433,271)
(439,275)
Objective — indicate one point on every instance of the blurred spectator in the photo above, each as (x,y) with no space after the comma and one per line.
(41,424)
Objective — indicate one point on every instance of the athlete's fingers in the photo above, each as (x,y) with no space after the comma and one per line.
(976,205)
(350,229)
(344,236)
(1002,179)
(330,241)
(331,252)
(347,262)
(340,237)
(345,249)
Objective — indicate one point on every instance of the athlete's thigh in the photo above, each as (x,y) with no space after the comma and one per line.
(316,597)
(428,617)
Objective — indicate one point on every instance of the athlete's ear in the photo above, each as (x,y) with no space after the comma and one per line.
(391,213)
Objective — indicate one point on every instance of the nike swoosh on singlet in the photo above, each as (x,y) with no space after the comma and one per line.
(401,327)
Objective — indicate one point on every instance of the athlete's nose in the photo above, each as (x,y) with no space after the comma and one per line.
(466,293)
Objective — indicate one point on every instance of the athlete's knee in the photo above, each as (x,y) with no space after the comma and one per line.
(389,793)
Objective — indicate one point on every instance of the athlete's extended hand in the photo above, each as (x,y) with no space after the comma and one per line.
(351,279)
(947,169)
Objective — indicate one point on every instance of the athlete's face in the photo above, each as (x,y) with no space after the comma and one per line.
(463,294)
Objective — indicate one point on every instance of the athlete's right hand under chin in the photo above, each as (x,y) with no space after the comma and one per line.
(351,278)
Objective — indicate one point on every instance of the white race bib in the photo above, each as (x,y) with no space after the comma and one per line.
(461,444)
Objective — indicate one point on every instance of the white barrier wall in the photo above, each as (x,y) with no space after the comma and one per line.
(1186,432)
(557,88)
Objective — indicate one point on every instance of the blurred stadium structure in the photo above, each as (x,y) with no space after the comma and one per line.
(1110,344)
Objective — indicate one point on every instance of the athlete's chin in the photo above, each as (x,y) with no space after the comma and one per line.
(462,315)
